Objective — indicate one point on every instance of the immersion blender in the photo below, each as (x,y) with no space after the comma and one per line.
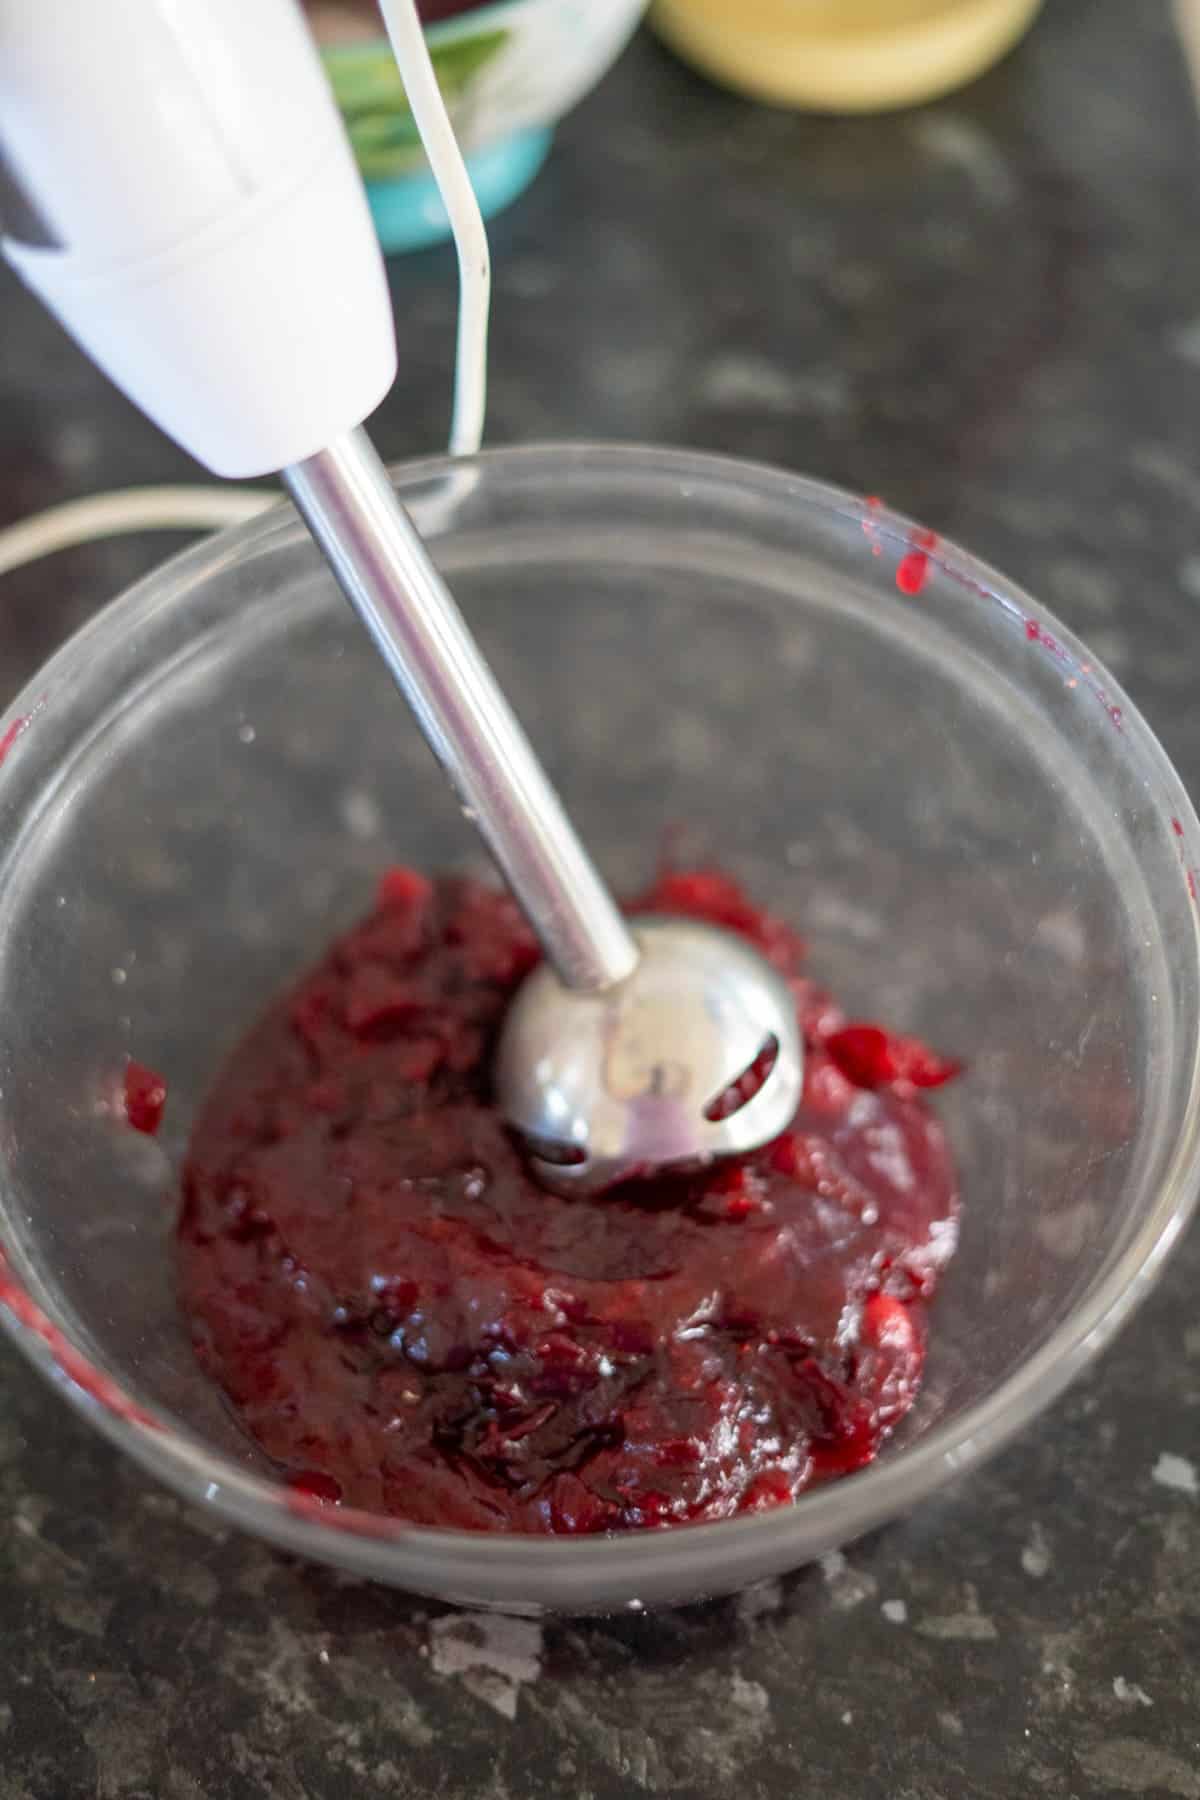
(176,186)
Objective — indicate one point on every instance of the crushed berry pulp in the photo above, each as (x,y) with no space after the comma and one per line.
(407,1323)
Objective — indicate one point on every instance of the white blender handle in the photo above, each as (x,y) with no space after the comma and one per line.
(205,237)
(182,196)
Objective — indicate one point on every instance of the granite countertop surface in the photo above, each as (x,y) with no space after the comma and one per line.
(989,312)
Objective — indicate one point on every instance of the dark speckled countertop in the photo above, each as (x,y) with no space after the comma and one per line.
(988,311)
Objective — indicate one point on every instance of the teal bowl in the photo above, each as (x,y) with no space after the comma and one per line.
(507,71)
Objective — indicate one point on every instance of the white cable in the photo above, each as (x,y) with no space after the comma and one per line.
(134,509)
(466,221)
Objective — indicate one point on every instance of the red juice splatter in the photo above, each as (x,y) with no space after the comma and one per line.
(19,725)
(18,728)
(870,528)
(913,569)
(1036,635)
(1191,884)
(1176,827)
(912,572)
(145,1097)
(86,1377)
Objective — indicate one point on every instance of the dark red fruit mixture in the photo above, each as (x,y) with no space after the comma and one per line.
(407,1323)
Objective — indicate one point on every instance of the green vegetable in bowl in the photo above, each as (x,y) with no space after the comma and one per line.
(368,89)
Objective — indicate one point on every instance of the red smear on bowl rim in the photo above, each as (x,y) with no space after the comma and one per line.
(912,572)
(85,1376)
(17,729)
(8,739)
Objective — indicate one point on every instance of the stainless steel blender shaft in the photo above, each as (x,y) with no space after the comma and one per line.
(384,570)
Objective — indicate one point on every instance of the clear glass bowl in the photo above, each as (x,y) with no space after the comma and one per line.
(981,838)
